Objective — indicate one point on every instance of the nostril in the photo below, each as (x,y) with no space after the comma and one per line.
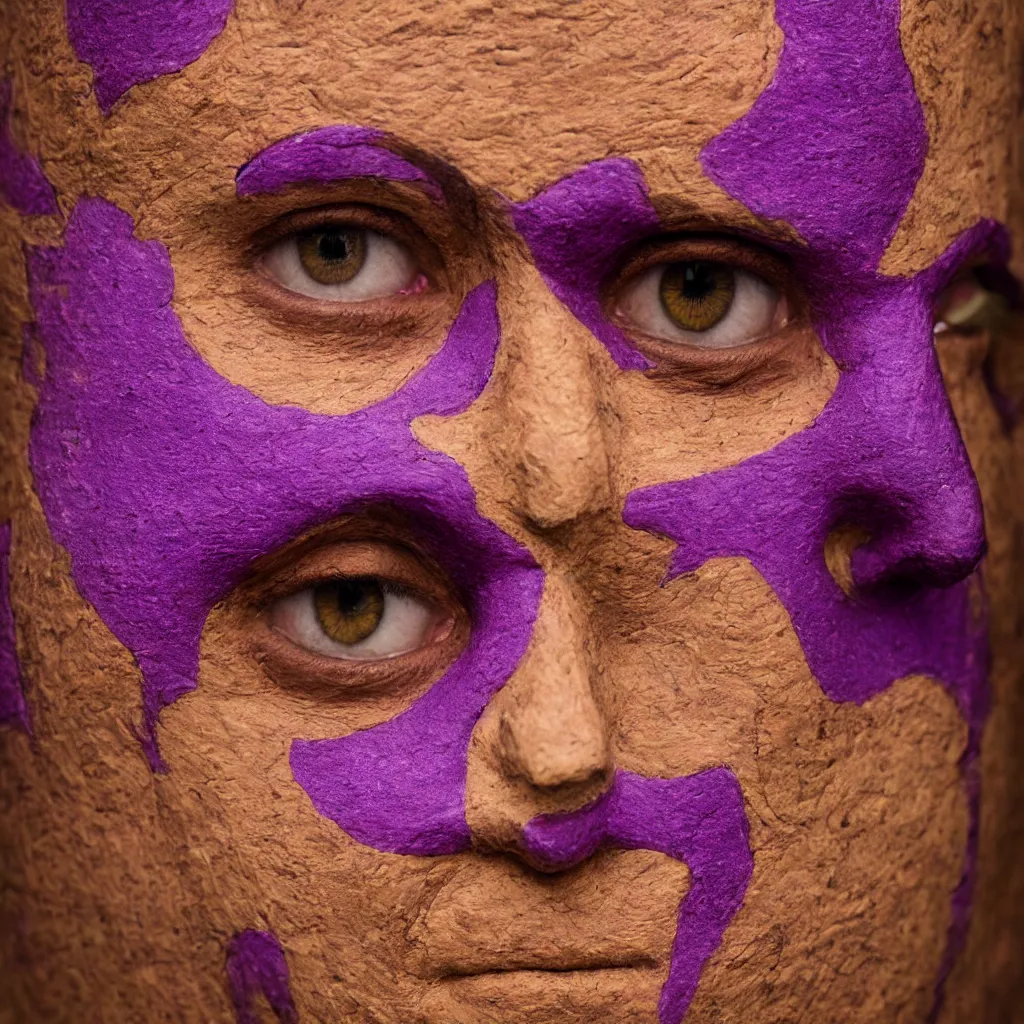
(904,563)
(840,546)
(896,544)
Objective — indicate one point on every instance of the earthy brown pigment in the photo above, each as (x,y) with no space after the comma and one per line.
(123,888)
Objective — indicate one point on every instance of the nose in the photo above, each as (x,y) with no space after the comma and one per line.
(542,746)
(553,446)
(922,505)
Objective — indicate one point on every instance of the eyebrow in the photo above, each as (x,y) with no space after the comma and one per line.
(334,153)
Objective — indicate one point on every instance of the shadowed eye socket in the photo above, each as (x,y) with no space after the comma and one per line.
(704,301)
(967,305)
(356,608)
(343,263)
(361,618)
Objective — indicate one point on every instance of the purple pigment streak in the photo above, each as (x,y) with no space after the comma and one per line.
(698,819)
(835,146)
(255,966)
(13,709)
(330,154)
(577,231)
(126,42)
(165,482)
(22,182)
(837,142)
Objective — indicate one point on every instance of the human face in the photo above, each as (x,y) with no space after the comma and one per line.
(509,485)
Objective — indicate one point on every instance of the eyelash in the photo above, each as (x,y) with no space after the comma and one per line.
(735,252)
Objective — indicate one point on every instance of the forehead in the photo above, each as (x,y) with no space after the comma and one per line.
(515,95)
(519,95)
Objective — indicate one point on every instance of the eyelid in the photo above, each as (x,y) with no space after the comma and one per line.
(395,564)
(735,252)
(741,254)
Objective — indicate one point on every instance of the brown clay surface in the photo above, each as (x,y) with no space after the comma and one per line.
(122,890)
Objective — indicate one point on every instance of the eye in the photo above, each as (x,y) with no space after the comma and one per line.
(704,303)
(361,618)
(343,263)
(968,305)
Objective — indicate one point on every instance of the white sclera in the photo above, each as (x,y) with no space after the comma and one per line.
(404,626)
(388,268)
(753,313)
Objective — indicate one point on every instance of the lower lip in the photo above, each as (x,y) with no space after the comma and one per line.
(546,996)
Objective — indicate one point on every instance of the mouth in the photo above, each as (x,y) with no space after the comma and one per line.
(545,964)
(495,919)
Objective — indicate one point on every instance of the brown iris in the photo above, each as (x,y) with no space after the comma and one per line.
(697,294)
(349,610)
(332,255)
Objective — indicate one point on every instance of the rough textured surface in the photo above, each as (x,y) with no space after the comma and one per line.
(126,45)
(965,176)
(13,710)
(22,182)
(858,816)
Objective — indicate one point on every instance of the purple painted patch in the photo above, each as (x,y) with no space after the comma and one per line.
(256,966)
(577,230)
(127,43)
(836,146)
(333,153)
(22,182)
(165,482)
(698,819)
(837,142)
(13,709)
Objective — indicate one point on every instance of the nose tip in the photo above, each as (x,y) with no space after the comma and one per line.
(933,540)
(558,753)
(542,749)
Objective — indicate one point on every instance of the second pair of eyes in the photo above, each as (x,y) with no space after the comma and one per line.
(702,302)
(359,618)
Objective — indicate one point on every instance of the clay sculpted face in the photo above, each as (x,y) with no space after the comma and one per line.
(488,538)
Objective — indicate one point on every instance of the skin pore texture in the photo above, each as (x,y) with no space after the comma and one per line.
(720,726)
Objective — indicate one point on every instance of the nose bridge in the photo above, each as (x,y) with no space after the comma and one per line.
(556,443)
(551,734)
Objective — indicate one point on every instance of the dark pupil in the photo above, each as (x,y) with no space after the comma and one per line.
(355,596)
(699,281)
(334,247)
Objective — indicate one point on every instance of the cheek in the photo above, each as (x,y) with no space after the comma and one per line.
(252,842)
(858,815)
